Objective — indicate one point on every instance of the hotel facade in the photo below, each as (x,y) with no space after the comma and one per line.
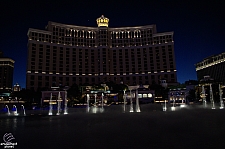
(6,73)
(67,54)
(213,67)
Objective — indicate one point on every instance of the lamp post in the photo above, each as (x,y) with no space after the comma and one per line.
(102,103)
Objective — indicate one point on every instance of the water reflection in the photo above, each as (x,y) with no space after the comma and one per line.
(11,124)
(14,123)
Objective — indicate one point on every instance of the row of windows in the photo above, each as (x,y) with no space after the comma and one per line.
(120,52)
(74,32)
(62,80)
(93,67)
(212,60)
(89,38)
(6,62)
(48,47)
(71,60)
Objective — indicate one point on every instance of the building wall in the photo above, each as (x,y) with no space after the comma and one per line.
(6,73)
(68,54)
(213,66)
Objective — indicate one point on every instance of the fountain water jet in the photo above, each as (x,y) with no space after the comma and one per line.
(15,112)
(183,104)
(137,102)
(8,112)
(94,109)
(102,109)
(59,105)
(65,105)
(164,107)
(124,101)
(88,108)
(203,96)
(173,107)
(50,105)
(211,96)
(131,103)
(24,113)
(95,100)
(221,98)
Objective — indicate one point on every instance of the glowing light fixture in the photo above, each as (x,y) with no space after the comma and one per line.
(102,21)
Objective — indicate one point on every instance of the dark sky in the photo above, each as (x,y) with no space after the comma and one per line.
(198,26)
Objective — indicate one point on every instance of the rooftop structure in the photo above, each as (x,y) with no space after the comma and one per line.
(213,66)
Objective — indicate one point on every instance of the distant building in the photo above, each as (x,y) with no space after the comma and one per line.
(177,95)
(6,73)
(213,66)
(183,92)
(96,93)
(68,54)
(57,96)
(145,95)
(16,87)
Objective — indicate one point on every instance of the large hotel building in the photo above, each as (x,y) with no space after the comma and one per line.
(213,66)
(67,54)
(6,73)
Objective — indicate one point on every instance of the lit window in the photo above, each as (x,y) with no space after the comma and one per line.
(145,96)
(139,95)
(149,95)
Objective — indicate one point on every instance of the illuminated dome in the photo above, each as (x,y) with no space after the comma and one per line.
(102,21)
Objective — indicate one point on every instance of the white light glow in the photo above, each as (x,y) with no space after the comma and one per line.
(173,108)
(183,105)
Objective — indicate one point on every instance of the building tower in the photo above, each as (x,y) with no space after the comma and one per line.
(6,73)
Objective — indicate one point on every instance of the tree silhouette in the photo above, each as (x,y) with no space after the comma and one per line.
(73,94)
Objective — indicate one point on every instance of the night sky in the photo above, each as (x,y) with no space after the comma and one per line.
(198,26)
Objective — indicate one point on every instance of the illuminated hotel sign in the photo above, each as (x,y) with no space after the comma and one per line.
(102,21)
